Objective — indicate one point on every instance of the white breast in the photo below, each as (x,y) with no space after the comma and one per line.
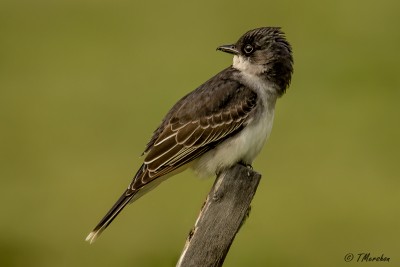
(247,144)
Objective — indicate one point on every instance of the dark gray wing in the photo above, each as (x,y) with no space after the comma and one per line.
(198,122)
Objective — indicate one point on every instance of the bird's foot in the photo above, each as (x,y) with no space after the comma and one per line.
(246,165)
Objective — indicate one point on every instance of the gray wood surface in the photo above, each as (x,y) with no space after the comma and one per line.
(221,217)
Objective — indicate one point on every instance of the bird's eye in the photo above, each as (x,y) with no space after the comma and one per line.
(248,49)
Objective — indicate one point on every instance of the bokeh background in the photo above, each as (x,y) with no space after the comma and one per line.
(84,83)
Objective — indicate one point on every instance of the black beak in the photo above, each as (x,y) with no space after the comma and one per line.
(231,49)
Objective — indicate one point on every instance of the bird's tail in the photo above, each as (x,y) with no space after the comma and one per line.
(110,216)
(141,184)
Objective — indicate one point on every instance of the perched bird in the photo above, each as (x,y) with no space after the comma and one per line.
(224,121)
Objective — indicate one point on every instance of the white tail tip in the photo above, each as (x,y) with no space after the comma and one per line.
(91,237)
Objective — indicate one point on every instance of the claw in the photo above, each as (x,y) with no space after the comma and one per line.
(246,165)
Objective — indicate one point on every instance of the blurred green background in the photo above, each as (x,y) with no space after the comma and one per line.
(84,83)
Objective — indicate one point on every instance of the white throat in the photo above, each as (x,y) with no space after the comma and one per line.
(245,65)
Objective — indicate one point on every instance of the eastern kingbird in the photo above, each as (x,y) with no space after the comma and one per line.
(223,122)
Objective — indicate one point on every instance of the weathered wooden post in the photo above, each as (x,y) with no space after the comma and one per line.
(221,217)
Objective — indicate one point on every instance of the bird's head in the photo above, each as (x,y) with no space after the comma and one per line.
(263,52)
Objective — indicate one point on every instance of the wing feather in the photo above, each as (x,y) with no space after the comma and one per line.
(165,135)
(194,138)
(160,161)
(186,132)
